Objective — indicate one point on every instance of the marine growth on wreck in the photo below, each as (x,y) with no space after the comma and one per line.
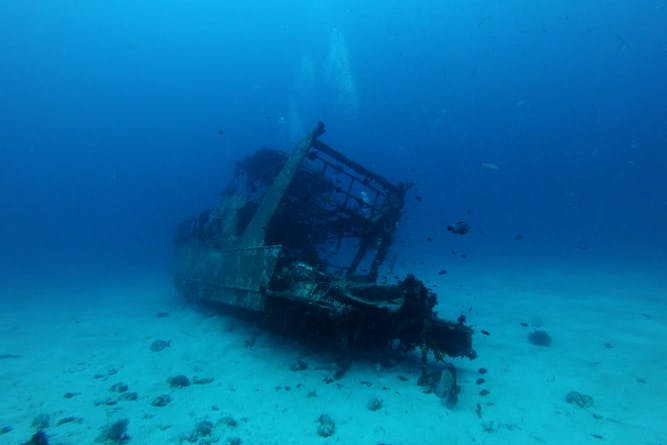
(298,240)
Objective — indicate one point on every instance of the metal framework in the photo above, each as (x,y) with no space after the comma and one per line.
(303,237)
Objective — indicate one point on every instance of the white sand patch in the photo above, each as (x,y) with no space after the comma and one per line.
(608,342)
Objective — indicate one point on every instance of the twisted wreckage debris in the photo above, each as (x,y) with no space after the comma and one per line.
(299,239)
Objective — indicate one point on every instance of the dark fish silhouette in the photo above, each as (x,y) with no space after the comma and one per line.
(460,228)
(159,345)
(6,356)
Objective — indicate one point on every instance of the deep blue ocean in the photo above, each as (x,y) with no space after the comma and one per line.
(542,125)
(545,121)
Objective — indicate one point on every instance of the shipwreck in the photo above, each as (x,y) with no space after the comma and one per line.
(300,240)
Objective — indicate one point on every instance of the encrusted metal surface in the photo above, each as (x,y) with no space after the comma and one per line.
(300,238)
(237,277)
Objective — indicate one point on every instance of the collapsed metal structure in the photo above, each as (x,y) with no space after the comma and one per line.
(299,239)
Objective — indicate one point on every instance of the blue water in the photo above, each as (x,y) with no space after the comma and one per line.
(541,124)
(110,117)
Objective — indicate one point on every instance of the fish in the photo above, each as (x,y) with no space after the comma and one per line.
(6,356)
(159,345)
(459,228)
(490,166)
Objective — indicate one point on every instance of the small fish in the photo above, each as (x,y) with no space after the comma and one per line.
(485,332)
(490,166)
(518,236)
(6,356)
(442,272)
(418,198)
(459,228)
(159,345)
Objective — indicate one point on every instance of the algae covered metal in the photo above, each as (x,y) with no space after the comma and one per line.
(300,239)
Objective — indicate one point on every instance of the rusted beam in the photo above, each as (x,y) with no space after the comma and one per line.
(255,233)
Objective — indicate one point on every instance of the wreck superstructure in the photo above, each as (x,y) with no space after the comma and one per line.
(300,239)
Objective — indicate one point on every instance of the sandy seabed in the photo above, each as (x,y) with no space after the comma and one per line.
(63,350)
